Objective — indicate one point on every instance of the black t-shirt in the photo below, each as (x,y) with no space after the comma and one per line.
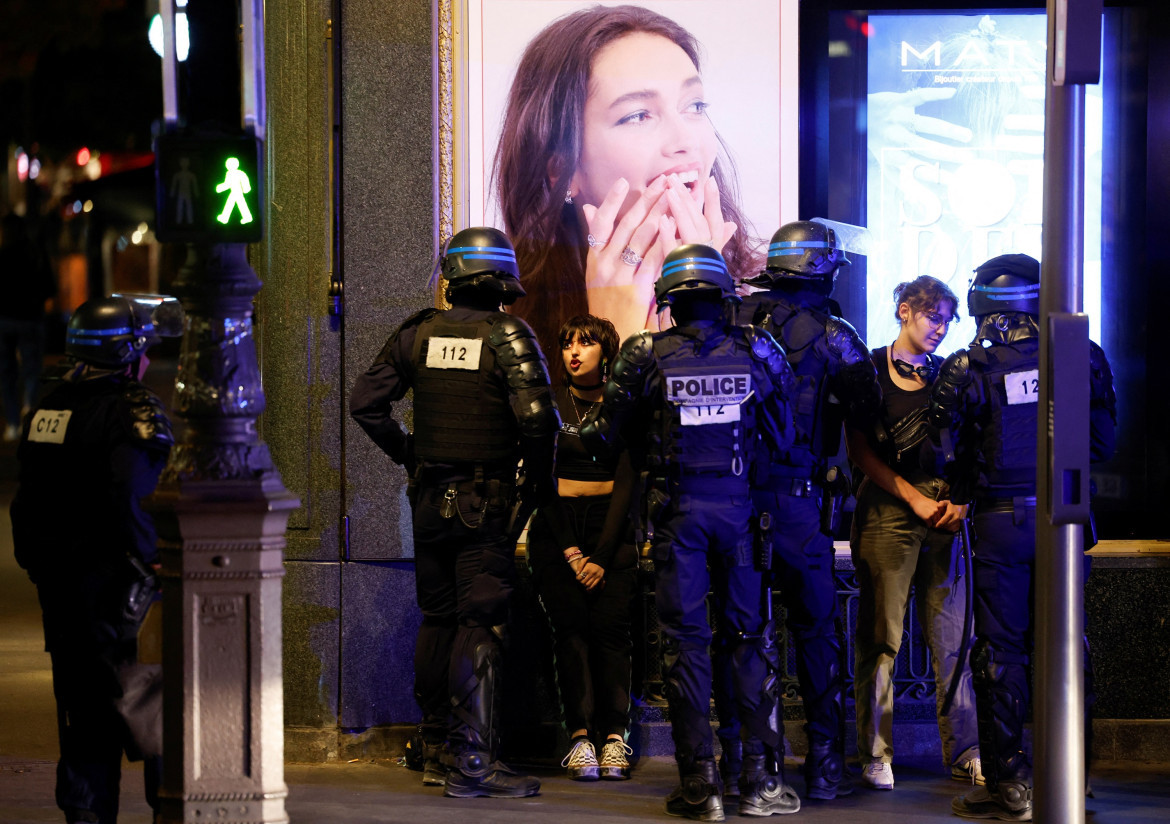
(898,405)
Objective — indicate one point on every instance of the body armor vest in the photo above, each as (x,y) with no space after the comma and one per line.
(69,510)
(461,415)
(707,419)
(1010,382)
(799,330)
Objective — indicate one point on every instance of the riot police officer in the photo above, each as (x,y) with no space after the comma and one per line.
(986,397)
(482,403)
(835,381)
(90,451)
(692,403)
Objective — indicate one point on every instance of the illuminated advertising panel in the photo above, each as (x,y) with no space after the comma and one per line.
(956,155)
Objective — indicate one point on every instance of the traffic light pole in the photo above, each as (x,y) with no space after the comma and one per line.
(221,510)
(1074,34)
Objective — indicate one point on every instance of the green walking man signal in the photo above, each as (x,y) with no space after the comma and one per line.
(209,189)
(236,183)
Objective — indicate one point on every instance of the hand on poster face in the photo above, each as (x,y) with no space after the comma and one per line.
(895,124)
(625,259)
(698,213)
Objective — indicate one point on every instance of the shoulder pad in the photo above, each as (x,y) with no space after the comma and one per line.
(766,349)
(638,348)
(957,367)
(843,341)
(146,417)
(505,327)
(517,352)
(953,376)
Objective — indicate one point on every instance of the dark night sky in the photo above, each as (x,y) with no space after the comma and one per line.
(77,72)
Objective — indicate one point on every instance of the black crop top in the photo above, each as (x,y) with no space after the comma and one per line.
(574,463)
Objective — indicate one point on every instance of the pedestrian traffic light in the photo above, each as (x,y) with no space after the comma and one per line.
(209,189)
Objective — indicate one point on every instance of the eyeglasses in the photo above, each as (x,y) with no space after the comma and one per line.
(936,320)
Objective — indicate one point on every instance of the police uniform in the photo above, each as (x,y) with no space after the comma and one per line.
(835,381)
(986,395)
(91,450)
(699,398)
(482,402)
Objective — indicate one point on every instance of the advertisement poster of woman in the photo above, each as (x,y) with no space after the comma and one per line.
(601,135)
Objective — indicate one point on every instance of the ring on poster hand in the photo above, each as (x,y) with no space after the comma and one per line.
(630,257)
(595,242)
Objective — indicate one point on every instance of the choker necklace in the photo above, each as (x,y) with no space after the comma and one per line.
(585,387)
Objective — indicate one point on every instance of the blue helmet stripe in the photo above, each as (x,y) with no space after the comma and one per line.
(694,263)
(1032,290)
(102,333)
(491,252)
(800,244)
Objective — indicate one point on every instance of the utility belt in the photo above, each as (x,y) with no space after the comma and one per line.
(496,492)
(660,492)
(797,481)
(710,485)
(1017,505)
(796,487)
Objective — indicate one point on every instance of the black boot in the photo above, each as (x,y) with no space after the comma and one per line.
(472,774)
(730,764)
(762,794)
(824,771)
(698,796)
(1001,699)
(1009,801)
(473,768)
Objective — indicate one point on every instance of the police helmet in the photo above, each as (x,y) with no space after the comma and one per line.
(802,250)
(1007,283)
(115,331)
(482,258)
(693,266)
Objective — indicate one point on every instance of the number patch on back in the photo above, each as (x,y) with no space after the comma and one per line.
(453,353)
(49,425)
(1022,387)
(704,415)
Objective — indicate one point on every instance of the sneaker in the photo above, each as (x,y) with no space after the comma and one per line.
(614,764)
(500,781)
(970,771)
(879,775)
(582,761)
(768,796)
(980,803)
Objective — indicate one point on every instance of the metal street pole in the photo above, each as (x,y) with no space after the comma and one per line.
(221,511)
(1062,483)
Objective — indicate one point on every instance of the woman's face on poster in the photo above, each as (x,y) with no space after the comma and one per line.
(645,116)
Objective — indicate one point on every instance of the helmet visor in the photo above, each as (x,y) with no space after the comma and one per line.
(158,315)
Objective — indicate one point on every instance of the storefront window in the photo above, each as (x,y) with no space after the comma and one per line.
(926,127)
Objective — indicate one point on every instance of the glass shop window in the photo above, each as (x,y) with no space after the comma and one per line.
(926,127)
